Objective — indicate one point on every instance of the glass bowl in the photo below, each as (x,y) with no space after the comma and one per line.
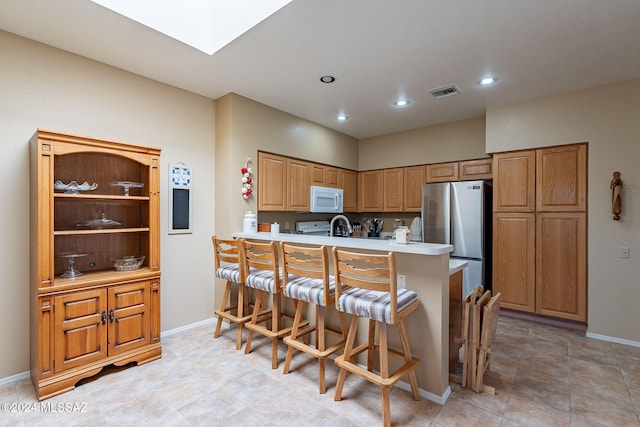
(128,263)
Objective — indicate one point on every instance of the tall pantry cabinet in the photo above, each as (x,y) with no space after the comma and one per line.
(85,314)
(540,227)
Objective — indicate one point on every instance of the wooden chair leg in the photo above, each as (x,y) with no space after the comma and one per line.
(383,350)
(406,351)
(372,345)
(386,407)
(348,349)
(223,308)
(254,318)
(294,335)
(321,345)
(275,326)
(242,309)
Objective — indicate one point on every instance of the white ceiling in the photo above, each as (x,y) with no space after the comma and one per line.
(376,49)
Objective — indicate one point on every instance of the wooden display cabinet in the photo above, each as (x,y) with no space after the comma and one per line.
(98,316)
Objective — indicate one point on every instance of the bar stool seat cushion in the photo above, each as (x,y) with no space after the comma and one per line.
(374,304)
(308,289)
(230,272)
(262,280)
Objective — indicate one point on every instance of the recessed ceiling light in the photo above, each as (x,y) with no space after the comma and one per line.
(488,81)
(342,117)
(402,103)
(327,79)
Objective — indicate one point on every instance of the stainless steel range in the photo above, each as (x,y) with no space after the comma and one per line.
(313,228)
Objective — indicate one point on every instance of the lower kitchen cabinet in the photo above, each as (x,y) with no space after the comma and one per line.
(539,263)
(561,270)
(514,259)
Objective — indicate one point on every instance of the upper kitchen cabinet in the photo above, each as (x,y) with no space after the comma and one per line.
(442,172)
(414,177)
(332,177)
(298,183)
(514,176)
(470,170)
(349,183)
(370,191)
(561,178)
(272,184)
(393,190)
(325,176)
(318,175)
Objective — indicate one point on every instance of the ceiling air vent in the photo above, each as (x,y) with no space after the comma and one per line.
(443,92)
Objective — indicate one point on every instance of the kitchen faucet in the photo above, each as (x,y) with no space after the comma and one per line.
(337,217)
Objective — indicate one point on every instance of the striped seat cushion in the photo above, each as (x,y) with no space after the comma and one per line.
(230,272)
(262,280)
(308,289)
(374,304)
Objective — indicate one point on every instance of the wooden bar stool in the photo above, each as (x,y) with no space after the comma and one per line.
(306,279)
(262,272)
(227,263)
(366,287)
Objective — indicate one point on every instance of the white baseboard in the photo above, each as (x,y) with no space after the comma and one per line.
(13,378)
(613,339)
(211,320)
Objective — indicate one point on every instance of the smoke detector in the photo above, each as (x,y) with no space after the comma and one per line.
(444,91)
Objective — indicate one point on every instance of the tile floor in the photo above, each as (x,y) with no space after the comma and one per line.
(544,376)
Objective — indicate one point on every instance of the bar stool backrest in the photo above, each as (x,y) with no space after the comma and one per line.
(304,261)
(366,271)
(226,252)
(261,256)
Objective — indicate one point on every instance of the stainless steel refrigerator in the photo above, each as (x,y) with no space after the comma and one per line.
(459,214)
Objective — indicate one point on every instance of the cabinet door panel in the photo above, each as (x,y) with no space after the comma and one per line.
(129,322)
(561,178)
(298,183)
(476,169)
(272,193)
(393,185)
(349,183)
(442,172)
(318,173)
(81,335)
(332,177)
(514,181)
(561,265)
(513,255)
(370,191)
(414,177)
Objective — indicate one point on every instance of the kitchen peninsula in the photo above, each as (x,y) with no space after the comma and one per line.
(427,269)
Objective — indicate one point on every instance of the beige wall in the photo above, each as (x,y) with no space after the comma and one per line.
(461,140)
(608,118)
(243,127)
(48,88)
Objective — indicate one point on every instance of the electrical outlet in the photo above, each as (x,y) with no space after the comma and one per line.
(402,281)
(286,225)
(623,252)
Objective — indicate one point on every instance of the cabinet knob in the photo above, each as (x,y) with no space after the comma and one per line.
(111,316)
(104,317)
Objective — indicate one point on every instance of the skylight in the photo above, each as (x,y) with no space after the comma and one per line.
(206,25)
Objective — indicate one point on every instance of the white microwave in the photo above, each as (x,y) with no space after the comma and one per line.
(326,199)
